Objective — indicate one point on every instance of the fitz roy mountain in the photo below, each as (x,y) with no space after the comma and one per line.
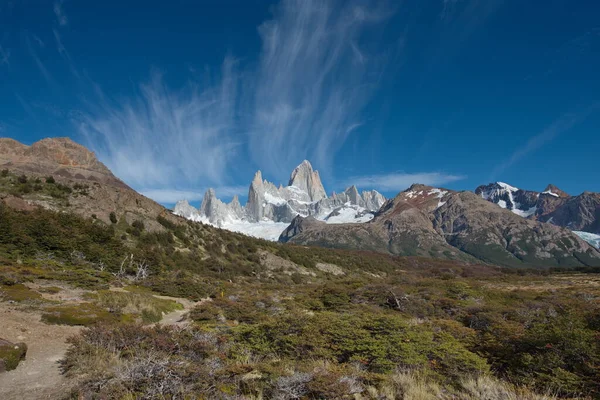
(422,220)
(270,209)
(441,223)
(580,214)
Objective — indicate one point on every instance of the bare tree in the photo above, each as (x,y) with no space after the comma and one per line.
(142,270)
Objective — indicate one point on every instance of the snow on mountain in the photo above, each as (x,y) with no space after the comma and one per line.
(271,208)
(553,206)
(520,202)
(591,238)
(184,209)
(550,193)
(349,213)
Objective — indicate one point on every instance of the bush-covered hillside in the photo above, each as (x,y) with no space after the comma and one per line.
(291,322)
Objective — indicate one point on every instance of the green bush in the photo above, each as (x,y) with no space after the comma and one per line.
(11,354)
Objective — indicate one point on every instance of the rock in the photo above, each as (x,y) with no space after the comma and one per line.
(304,178)
(55,156)
(440,223)
(304,196)
(554,206)
(72,164)
(184,209)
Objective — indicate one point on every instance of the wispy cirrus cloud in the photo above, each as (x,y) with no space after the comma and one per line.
(40,64)
(61,17)
(399,181)
(563,124)
(164,137)
(313,81)
(171,196)
(301,100)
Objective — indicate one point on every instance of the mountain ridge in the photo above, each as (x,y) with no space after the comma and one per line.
(276,206)
(554,206)
(441,223)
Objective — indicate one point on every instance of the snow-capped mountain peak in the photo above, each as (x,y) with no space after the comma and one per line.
(554,191)
(519,201)
(271,208)
(306,179)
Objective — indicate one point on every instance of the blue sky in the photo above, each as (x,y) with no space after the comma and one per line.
(179,96)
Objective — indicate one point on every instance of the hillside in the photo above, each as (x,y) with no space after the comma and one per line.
(246,318)
(440,223)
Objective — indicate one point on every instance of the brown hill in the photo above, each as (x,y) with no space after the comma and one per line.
(457,225)
(85,185)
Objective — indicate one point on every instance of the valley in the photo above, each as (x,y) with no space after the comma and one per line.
(116,297)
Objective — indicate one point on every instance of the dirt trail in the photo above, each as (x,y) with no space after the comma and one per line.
(38,376)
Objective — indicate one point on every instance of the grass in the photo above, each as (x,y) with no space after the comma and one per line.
(391,327)
(11,354)
(143,304)
(83,314)
(163,362)
(19,293)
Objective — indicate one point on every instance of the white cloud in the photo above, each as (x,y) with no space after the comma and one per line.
(61,17)
(171,196)
(301,100)
(400,181)
(165,137)
(313,82)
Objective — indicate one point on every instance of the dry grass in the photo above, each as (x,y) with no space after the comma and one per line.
(149,307)
(407,385)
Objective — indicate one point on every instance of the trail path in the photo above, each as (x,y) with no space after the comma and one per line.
(38,376)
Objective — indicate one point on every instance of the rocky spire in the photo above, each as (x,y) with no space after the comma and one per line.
(308,180)
(353,196)
(184,209)
(236,207)
(208,202)
(256,197)
(373,200)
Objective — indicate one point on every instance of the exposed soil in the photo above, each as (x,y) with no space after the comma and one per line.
(38,376)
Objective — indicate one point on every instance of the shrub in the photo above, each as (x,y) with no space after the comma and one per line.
(50,180)
(139,225)
(11,354)
(113,217)
(84,314)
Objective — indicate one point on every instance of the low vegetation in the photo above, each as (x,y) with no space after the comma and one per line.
(11,354)
(387,328)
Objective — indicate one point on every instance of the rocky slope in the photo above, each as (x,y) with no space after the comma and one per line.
(458,225)
(89,187)
(270,208)
(554,206)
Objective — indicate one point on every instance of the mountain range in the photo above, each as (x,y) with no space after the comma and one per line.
(270,208)
(578,213)
(498,224)
(441,223)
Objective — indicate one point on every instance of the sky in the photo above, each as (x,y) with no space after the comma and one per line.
(179,96)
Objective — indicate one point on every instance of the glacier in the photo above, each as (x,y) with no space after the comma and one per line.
(591,238)
(270,208)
